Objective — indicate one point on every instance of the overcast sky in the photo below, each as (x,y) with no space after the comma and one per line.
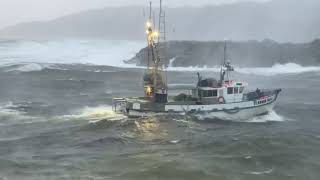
(17,11)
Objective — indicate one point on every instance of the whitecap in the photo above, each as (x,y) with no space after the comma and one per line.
(22,67)
(260,172)
(277,69)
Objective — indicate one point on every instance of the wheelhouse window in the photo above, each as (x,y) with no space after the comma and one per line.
(214,93)
(241,89)
(209,93)
(230,90)
(236,90)
(204,93)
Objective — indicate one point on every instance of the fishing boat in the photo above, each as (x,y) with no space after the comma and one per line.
(225,99)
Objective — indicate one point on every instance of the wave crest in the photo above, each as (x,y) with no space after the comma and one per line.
(289,68)
(277,69)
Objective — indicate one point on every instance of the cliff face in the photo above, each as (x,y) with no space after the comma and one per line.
(249,54)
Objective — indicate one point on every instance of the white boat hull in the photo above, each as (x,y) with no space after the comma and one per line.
(239,114)
(236,111)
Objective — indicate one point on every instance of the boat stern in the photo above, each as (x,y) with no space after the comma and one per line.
(119,105)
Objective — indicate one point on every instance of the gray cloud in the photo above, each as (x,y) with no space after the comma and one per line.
(17,11)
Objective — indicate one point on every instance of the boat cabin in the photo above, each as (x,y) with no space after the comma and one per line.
(209,91)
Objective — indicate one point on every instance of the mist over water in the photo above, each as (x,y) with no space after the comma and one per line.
(98,52)
(37,55)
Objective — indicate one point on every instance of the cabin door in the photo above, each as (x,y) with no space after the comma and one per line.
(237,94)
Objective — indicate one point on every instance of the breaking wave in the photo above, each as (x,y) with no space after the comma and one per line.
(10,115)
(98,52)
(289,68)
(22,67)
(28,56)
(277,69)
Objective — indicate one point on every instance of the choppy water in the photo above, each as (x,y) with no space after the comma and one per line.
(56,123)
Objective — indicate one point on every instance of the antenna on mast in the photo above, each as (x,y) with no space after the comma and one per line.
(154,20)
(150,12)
(225,52)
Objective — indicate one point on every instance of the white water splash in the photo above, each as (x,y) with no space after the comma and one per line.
(22,67)
(270,117)
(289,68)
(37,55)
(96,114)
(171,62)
(10,116)
(94,51)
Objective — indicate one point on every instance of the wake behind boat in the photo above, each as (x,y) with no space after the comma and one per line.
(224,99)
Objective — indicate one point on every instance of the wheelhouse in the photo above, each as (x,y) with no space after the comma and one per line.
(209,92)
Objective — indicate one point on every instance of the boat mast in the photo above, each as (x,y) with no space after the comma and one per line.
(225,57)
(155,83)
(162,41)
(148,26)
(160,16)
(223,62)
(226,67)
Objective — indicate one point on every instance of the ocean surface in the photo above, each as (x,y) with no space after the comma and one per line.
(56,120)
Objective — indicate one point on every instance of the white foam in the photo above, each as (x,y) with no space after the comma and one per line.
(277,69)
(270,117)
(171,62)
(96,114)
(260,172)
(193,69)
(289,68)
(111,53)
(23,67)
(10,116)
(98,52)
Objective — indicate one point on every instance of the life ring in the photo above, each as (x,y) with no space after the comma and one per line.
(221,100)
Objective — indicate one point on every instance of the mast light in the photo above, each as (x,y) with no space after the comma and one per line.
(155,34)
(148,24)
